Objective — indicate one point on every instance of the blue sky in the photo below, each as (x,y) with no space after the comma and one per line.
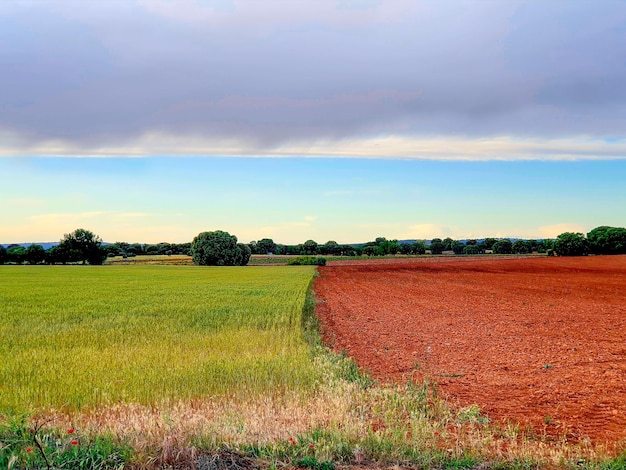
(153,120)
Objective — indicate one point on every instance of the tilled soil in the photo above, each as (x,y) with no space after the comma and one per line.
(536,341)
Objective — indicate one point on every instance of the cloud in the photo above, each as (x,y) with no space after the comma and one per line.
(438,80)
(392,147)
(552,231)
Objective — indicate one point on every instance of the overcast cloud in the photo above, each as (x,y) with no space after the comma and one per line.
(376,78)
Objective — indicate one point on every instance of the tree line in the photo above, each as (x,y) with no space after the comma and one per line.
(218,247)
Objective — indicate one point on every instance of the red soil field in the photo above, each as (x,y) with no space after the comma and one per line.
(536,341)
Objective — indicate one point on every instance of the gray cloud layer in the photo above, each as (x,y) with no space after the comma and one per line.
(283,73)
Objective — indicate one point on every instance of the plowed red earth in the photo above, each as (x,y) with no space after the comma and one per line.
(536,341)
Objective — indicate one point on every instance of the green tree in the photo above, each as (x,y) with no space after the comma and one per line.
(81,245)
(418,247)
(503,247)
(35,254)
(16,254)
(489,242)
(266,246)
(447,243)
(369,250)
(571,244)
(436,246)
(521,247)
(246,252)
(217,248)
(471,250)
(457,247)
(605,240)
(309,247)
(3,254)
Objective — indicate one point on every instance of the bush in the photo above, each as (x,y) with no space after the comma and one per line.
(307,261)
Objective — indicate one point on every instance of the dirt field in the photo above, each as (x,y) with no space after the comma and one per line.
(538,341)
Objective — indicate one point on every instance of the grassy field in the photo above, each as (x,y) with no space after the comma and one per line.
(82,336)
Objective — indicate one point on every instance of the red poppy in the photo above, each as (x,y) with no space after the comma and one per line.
(312,446)
(28,449)
(70,431)
(293,442)
(74,442)
(32,431)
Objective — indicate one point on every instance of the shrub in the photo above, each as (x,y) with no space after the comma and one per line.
(307,261)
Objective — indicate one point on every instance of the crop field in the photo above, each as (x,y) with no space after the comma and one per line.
(537,343)
(80,336)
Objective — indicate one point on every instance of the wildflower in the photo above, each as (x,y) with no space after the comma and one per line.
(32,431)
(70,431)
(292,440)
(28,449)
(74,442)
(312,446)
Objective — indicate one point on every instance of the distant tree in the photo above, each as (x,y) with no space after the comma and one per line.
(217,248)
(3,254)
(265,246)
(245,254)
(447,243)
(503,247)
(81,245)
(489,242)
(457,247)
(16,254)
(605,240)
(369,250)
(520,247)
(309,247)
(418,247)
(331,247)
(471,250)
(436,246)
(405,248)
(571,244)
(35,254)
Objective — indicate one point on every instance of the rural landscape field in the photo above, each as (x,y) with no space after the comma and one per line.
(462,363)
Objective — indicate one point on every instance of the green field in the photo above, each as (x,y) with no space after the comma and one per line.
(81,336)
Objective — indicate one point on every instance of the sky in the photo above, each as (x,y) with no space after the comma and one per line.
(154,120)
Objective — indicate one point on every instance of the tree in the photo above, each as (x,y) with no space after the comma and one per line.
(457,247)
(3,254)
(35,254)
(503,247)
(571,244)
(521,247)
(489,242)
(81,245)
(309,248)
(16,254)
(606,240)
(246,252)
(418,247)
(436,246)
(265,246)
(218,248)
(331,247)
(471,250)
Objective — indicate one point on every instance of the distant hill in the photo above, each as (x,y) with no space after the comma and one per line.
(45,245)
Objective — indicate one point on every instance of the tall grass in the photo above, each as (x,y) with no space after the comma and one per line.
(80,336)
